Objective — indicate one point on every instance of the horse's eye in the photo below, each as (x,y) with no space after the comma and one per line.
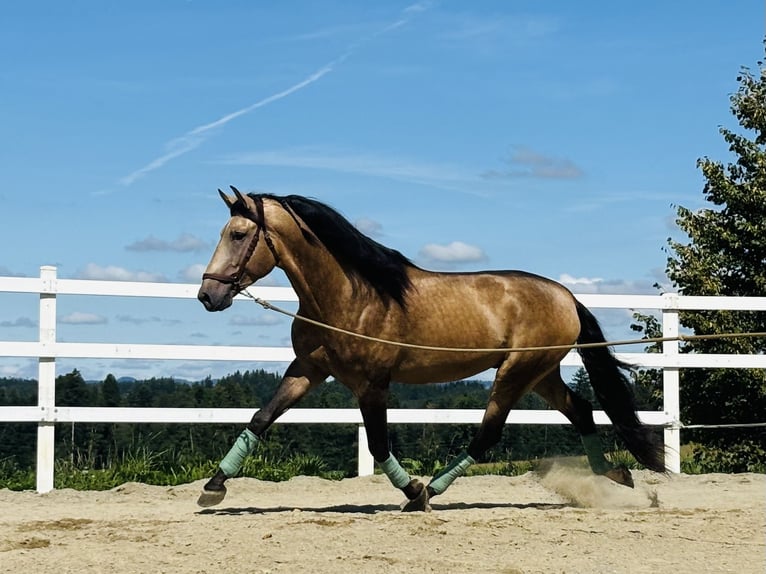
(238,235)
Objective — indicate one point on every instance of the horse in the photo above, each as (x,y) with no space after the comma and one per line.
(415,326)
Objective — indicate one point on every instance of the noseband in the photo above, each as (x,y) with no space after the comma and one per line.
(257,217)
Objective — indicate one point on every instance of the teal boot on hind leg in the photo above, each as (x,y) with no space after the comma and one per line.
(450,473)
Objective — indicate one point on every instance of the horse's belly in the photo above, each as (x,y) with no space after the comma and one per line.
(427,367)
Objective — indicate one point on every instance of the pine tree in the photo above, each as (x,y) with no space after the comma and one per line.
(110,392)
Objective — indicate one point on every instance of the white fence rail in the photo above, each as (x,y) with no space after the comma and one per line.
(47,349)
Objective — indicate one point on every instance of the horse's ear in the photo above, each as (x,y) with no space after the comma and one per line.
(229,201)
(239,195)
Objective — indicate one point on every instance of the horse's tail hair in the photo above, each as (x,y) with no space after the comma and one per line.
(613,390)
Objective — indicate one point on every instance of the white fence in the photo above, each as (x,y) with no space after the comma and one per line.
(47,349)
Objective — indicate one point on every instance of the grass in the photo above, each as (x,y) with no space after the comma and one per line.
(509,468)
(15,478)
(159,468)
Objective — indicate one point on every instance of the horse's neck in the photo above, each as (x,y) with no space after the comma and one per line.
(316,277)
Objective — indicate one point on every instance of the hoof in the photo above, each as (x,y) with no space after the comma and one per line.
(417,504)
(211,497)
(620,475)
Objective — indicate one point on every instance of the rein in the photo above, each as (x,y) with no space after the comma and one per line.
(682,338)
(257,217)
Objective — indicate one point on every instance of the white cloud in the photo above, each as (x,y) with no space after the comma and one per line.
(19,322)
(259,320)
(25,369)
(138,320)
(114,273)
(608,286)
(192,273)
(567,279)
(525,162)
(185,243)
(455,252)
(369,227)
(79,318)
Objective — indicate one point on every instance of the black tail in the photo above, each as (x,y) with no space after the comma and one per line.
(614,392)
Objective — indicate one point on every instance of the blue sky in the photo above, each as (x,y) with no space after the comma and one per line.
(553,137)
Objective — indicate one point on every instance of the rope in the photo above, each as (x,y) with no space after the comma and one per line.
(725,426)
(684,338)
(271,307)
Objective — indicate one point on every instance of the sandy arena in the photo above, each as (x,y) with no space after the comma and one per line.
(567,521)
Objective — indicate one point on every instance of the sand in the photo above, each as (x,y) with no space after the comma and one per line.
(565,521)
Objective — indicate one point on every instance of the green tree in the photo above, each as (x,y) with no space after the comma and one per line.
(726,255)
(110,392)
(581,385)
(72,390)
(17,440)
(648,382)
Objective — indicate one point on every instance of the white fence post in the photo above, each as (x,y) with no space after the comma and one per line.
(671,384)
(365,462)
(46,386)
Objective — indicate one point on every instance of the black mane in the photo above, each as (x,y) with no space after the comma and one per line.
(381,267)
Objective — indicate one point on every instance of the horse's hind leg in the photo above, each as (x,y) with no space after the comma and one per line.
(488,435)
(297,381)
(580,413)
(511,382)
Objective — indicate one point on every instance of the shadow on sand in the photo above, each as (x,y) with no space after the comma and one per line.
(376,508)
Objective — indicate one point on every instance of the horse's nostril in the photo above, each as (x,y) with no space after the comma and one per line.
(204,299)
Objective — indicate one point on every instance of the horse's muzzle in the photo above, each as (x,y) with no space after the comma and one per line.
(215,297)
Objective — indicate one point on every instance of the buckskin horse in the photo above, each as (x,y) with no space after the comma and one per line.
(419,327)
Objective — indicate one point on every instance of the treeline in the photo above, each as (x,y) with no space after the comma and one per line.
(100,445)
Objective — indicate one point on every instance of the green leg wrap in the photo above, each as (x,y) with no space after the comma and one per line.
(595,454)
(394,471)
(451,472)
(244,445)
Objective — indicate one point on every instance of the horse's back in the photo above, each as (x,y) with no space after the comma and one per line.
(497,300)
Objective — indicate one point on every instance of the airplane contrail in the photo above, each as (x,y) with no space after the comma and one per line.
(196,136)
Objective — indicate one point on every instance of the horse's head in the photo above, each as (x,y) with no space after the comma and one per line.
(240,258)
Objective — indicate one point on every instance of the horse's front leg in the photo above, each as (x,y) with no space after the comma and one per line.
(373,404)
(297,381)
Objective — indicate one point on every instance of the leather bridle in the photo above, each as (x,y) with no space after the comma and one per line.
(235,278)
